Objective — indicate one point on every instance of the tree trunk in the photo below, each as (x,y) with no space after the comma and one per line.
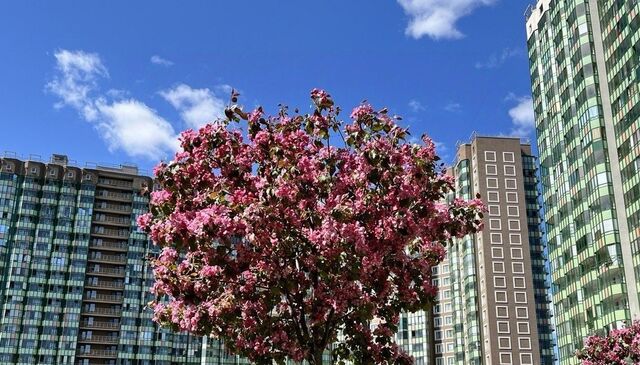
(316,358)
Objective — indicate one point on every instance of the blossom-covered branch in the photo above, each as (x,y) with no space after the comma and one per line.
(274,240)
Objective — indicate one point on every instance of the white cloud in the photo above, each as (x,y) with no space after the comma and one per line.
(75,79)
(157,60)
(437,18)
(496,60)
(129,125)
(197,107)
(453,107)
(135,128)
(416,106)
(522,116)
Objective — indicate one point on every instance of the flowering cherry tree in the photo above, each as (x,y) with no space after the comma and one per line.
(620,347)
(281,243)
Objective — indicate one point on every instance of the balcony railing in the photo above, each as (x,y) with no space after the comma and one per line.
(120,208)
(100,339)
(105,271)
(102,311)
(116,183)
(113,195)
(108,258)
(104,284)
(118,233)
(100,325)
(112,220)
(99,353)
(103,298)
(109,245)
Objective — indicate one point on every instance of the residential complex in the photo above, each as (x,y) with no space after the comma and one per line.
(585,74)
(74,274)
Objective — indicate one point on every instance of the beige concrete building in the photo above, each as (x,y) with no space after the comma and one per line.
(498,285)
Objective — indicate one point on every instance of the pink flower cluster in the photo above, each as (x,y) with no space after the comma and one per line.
(619,347)
(276,242)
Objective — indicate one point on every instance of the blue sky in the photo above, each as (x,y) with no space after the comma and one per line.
(116,81)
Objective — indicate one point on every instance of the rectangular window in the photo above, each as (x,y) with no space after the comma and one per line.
(515,239)
(526,359)
(524,343)
(496,238)
(509,170)
(508,157)
(494,224)
(492,183)
(498,267)
(520,297)
(503,327)
(522,313)
(514,224)
(523,328)
(492,197)
(510,184)
(490,156)
(519,282)
(503,312)
(491,169)
(497,253)
(500,282)
(512,197)
(518,267)
(513,211)
(505,358)
(516,253)
(504,343)
(494,210)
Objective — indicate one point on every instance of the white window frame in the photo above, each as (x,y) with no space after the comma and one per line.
(510,184)
(488,153)
(491,169)
(512,158)
(507,170)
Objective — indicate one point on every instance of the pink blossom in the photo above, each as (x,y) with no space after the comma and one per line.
(262,234)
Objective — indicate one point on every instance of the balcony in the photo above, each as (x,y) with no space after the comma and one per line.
(108,285)
(111,195)
(99,353)
(128,185)
(100,339)
(113,208)
(108,312)
(112,259)
(103,298)
(116,246)
(106,271)
(112,221)
(100,325)
(110,233)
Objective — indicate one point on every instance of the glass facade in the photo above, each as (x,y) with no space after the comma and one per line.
(74,274)
(585,70)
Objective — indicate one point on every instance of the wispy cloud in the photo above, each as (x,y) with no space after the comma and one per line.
(416,106)
(498,59)
(437,18)
(197,107)
(522,116)
(127,125)
(453,107)
(157,60)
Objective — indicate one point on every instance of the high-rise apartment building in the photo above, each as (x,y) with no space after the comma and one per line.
(74,278)
(585,73)
(493,301)
(499,289)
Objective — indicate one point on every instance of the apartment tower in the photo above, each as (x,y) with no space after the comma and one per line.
(499,289)
(74,274)
(585,74)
